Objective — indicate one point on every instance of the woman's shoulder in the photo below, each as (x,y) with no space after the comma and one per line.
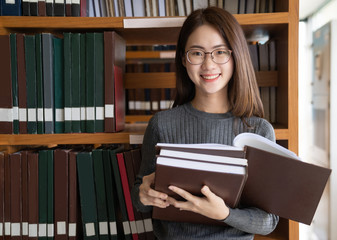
(262,127)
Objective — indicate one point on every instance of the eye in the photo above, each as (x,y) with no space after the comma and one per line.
(196,53)
(221,52)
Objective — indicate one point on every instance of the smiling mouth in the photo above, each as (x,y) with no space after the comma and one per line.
(210,77)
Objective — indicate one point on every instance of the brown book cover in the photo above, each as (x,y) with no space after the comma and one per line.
(225,180)
(15,195)
(284,186)
(74,225)
(33,194)
(24,194)
(61,193)
(2,193)
(6,100)
(114,62)
(278,181)
(68,8)
(41,6)
(7,199)
(22,97)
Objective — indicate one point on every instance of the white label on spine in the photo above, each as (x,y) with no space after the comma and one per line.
(49,1)
(59,115)
(83,113)
(15,229)
(90,113)
(147,105)
(48,114)
(109,111)
(126,227)
(42,230)
(7,228)
(32,230)
(61,228)
(10,1)
(99,113)
(148,225)
(103,228)
(67,114)
(6,115)
(25,229)
(90,229)
(59,1)
(155,105)
(131,105)
(133,227)
(1,227)
(140,226)
(76,114)
(113,228)
(40,114)
(68,1)
(75,1)
(23,114)
(15,113)
(72,230)
(50,231)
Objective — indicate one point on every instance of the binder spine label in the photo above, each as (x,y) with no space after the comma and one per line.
(109,110)
(61,228)
(72,230)
(90,229)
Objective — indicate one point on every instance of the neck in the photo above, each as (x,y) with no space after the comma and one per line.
(211,105)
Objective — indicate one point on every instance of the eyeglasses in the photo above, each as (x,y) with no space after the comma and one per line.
(219,56)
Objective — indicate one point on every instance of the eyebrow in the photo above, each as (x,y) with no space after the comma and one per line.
(216,46)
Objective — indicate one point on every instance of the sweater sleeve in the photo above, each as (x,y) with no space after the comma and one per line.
(148,162)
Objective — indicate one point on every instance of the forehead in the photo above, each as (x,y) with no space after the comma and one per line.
(205,36)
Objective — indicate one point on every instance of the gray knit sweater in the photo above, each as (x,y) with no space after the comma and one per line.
(185,124)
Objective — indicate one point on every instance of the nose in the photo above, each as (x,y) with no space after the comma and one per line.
(208,62)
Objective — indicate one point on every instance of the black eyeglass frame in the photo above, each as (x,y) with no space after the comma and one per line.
(211,53)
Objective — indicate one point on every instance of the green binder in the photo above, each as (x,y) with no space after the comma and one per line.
(39,83)
(14,71)
(88,204)
(67,83)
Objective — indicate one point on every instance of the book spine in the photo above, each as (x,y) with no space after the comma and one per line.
(22,97)
(50,8)
(102,215)
(30,60)
(24,187)
(14,75)
(59,8)
(87,195)
(67,83)
(15,195)
(61,193)
(48,82)
(83,82)
(2,193)
(39,83)
(10,8)
(58,85)
(43,193)
(90,83)
(6,99)
(50,194)
(33,7)
(33,195)
(75,83)
(41,8)
(109,85)
(75,8)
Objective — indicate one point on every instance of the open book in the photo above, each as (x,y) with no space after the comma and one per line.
(255,172)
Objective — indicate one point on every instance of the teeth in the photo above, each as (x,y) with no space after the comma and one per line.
(210,77)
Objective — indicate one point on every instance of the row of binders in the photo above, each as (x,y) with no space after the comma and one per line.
(67,84)
(128,8)
(76,192)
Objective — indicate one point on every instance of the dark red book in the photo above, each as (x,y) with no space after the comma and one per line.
(114,68)
(61,193)
(2,192)
(6,100)
(16,194)
(33,194)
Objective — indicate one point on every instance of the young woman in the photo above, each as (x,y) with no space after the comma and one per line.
(217,98)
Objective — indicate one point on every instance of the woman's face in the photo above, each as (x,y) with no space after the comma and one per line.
(209,77)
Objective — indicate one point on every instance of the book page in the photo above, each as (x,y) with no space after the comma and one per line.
(257,141)
(201,146)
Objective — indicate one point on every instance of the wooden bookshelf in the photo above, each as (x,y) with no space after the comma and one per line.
(281,25)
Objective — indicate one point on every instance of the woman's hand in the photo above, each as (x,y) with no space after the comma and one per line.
(210,206)
(149,196)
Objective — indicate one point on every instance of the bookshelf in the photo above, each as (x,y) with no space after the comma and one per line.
(281,25)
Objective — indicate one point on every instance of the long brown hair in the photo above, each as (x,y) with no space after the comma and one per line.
(243,93)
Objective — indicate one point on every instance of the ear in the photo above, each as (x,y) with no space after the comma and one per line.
(183,60)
